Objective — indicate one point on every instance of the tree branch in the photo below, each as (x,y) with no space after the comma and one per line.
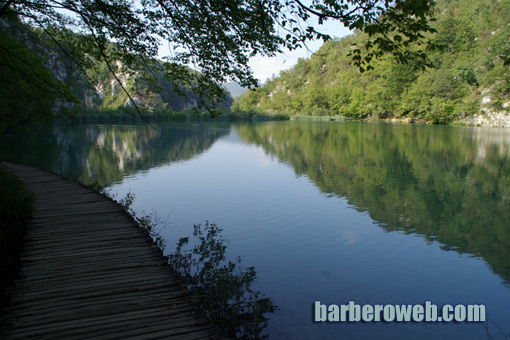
(5,7)
(341,17)
(105,58)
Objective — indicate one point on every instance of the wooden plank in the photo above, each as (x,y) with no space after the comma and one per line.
(172,328)
(83,240)
(85,287)
(49,280)
(113,313)
(121,330)
(38,269)
(176,298)
(52,255)
(89,271)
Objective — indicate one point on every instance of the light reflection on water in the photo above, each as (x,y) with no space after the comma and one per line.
(328,211)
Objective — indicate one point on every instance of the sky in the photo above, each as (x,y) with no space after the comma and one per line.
(263,67)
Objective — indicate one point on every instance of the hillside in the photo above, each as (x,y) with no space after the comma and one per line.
(469,84)
(43,72)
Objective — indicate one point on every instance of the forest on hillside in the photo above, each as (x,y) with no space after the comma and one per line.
(469,77)
(56,72)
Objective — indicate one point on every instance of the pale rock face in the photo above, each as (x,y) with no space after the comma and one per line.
(99,87)
(115,87)
(190,104)
(88,102)
(128,102)
(489,118)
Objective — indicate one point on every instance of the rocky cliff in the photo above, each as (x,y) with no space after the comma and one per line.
(68,71)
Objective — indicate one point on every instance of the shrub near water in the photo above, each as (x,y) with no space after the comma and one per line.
(224,289)
(16,205)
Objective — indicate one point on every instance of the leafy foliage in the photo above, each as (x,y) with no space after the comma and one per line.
(147,221)
(28,89)
(471,66)
(40,78)
(224,290)
(219,37)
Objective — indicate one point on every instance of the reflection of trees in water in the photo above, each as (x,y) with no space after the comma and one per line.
(104,154)
(116,151)
(446,184)
(223,288)
(36,146)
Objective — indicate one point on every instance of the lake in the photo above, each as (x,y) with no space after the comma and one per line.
(373,213)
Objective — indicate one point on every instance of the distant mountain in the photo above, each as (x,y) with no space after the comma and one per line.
(469,84)
(235,89)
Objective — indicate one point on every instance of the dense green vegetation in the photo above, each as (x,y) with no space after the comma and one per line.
(28,89)
(132,115)
(68,42)
(470,74)
(57,73)
(76,39)
(450,186)
(16,205)
(219,37)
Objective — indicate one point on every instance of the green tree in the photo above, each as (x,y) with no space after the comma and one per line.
(28,90)
(219,37)
(470,74)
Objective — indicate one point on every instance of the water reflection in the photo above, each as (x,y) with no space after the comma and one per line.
(450,185)
(224,290)
(104,154)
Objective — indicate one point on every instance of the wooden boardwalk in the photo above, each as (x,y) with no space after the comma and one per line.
(88,271)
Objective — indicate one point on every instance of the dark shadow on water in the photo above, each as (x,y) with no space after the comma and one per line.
(222,287)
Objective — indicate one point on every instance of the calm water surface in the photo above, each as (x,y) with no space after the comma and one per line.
(375,213)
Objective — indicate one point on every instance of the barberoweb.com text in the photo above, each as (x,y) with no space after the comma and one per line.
(427,312)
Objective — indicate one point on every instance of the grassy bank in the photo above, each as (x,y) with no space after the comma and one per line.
(131,115)
(319,118)
(16,205)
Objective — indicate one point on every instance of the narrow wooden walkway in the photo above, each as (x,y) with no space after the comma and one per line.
(89,272)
